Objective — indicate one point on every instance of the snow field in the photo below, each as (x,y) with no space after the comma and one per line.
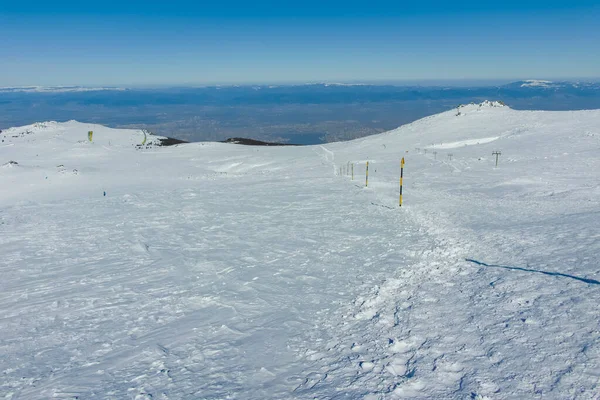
(222,271)
(537,212)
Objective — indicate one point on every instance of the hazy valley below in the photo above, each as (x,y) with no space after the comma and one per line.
(301,114)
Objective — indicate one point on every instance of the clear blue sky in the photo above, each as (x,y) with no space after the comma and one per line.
(130,43)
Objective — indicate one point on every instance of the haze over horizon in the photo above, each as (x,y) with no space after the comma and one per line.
(233,42)
(479,83)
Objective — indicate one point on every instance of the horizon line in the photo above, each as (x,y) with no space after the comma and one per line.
(431,82)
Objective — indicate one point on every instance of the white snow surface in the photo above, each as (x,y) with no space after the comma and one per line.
(537,83)
(214,271)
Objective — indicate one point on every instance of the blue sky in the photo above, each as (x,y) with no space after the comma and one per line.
(132,43)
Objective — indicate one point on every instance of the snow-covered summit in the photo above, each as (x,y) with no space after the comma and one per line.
(537,83)
(488,103)
(483,104)
(462,109)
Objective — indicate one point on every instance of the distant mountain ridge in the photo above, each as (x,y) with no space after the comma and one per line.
(553,85)
(56,89)
(528,83)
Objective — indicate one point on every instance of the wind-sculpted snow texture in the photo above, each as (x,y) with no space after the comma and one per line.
(212,271)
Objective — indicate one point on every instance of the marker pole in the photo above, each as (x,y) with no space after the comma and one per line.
(401,178)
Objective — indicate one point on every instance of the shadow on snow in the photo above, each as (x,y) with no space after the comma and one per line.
(590,281)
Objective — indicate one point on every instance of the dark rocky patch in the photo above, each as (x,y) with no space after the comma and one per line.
(156,142)
(171,141)
(253,142)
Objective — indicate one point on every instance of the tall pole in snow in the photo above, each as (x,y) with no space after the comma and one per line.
(496,153)
(352,171)
(401,177)
(367,181)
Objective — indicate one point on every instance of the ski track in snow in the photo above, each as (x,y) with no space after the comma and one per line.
(219,271)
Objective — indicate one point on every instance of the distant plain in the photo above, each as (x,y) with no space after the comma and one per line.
(299,114)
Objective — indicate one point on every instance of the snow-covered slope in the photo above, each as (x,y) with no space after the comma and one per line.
(222,271)
(57,152)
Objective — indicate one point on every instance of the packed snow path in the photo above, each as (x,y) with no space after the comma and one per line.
(223,271)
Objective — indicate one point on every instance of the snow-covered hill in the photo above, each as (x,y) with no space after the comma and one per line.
(563,86)
(211,270)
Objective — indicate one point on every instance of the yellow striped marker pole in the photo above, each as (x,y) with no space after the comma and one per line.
(90,134)
(367,181)
(401,177)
